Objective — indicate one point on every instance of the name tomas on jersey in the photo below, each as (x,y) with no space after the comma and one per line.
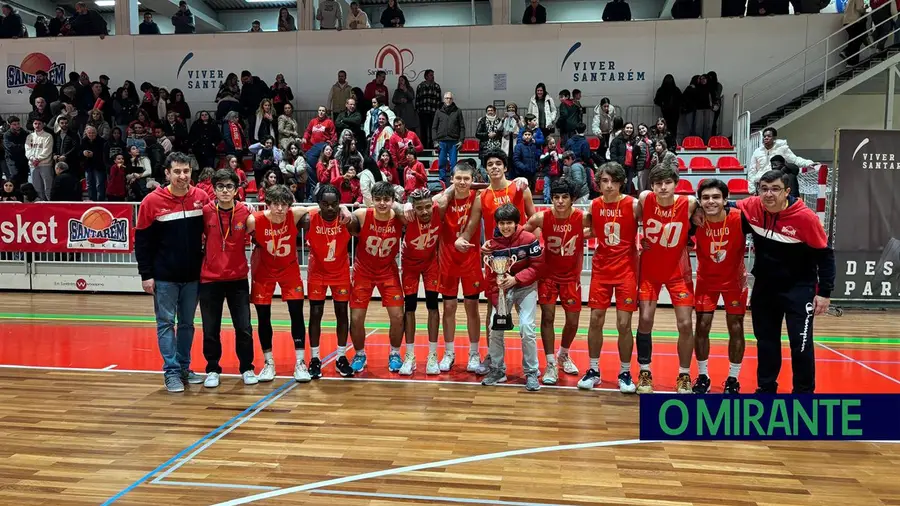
(664,213)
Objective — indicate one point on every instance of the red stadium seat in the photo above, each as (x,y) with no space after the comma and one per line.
(738,186)
(248,165)
(693,142)
(434,166)
(251,186)
(729,163)
(470,146)
(700,183)
(701,163)
(539,186)
(684,187)
(83,185)
(719,142)
(593,143)
(681,165)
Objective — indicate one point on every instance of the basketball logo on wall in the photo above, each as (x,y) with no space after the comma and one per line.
(98,229)
(22,76)
(395,62)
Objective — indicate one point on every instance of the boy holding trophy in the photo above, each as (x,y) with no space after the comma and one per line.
(514,260)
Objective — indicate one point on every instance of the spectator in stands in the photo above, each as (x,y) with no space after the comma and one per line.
(642,137)
(525,158)
(93,164)
(512,126)
(791,172)
(381,134)
(286,21)
(228,97)
(176,131)
(287,127)
(178,105)
(233,134)
(668,99)
(576,97)
(253,91)
(568,116)
(148,26)
(137,137)
(603,122)
(579,146)
(39,152)
(377,88)
(689,9)
(689,98)
(346,148)
(115,183)
(855,25)
(41,111)
(267,157)
(661,132)
(11,24)
(183,19)
(70,114)
(626,151)
(10,193)
(760,162)
(65,143)
(379,105)
(263,123)
(617,10)
(415,176)
(43,88)
(531,123)
(489,132)
(579,176)
(357,19)
(255,27)
(14,141)
(66,185)
(204,139)
(329,15)
(319,132)
(550,165)
(405,103)
(882,23)
(543,108)
(535,14)
(95,119)
(87,22)
(158,148)
(125,108)
(403,140)
(57,23)
(338,95)
(703,100)
(138,175)
(392,16)
(293,164)
(351,119)
(716,98)
(428,101)
(115,145)
(662,155)
(281,94)
(346,179)
(150,103)
(448,131)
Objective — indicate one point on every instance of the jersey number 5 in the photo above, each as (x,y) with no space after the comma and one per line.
(667,235)
(378,247)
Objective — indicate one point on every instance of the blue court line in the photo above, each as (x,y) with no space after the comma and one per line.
(200,441)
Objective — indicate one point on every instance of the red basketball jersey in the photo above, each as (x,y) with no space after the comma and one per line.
(491,200)
(455,220)
(666,227)
(276,258)
(420,242)
(720,253)
(329,260)
(379,244)
(565,245)
(615,227)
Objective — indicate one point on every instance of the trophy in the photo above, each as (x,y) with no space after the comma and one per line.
(501,266)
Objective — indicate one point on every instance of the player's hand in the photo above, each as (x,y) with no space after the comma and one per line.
(645,244)
(486,248)
(699,218)
(521,183)
(463,245)
(820,305)
(408,212)
(346,215)
(506,282)
(149,286)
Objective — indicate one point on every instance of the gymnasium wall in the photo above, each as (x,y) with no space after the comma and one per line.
(480,64)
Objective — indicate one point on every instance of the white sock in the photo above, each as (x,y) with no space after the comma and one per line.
(314,350)
(684,370)
(624,367)
(269,358)
(342,351)
(734,370)
(473,348)
(703,366)
(361,352)
(410,351)
(595,364)
(563,351)
(301,354)
(448,348)
(432,347)
(395,349)
(551,359)
(645,367)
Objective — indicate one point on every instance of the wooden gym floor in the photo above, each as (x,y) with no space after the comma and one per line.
(85,420)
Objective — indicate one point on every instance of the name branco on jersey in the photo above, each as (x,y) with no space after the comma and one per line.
(879,161)
(269,232)
(328,230)
(868,289)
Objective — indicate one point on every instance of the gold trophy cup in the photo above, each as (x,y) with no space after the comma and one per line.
(501,266)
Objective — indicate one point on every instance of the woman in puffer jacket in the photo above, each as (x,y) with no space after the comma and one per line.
(489,132)
(543,108)
(626,151)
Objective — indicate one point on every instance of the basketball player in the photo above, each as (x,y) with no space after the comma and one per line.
(419,260)
(614,222)
(379,229)
(720,270)
(664,261)
(274,260)
(329,268)
(562,227)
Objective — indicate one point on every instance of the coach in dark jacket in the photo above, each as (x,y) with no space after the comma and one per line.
(66,186)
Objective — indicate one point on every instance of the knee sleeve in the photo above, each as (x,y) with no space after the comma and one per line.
(644,347)
(431,301)
(410,302)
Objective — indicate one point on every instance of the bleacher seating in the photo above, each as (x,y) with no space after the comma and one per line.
(593,143)
(684,187)
(701,163)
(729,163)
(470,146)
(251,187)
(692,142)
(681,165)
(434,166)
(539,186)
(738,187)
(720,142)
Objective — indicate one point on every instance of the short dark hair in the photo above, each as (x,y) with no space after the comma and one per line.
(224,176)
(775,175)
(530,117)
(279,194)
(383,189)
(498,154)
(380,73)
(560,186)
(177,157)
(580,128)
(265,139)
(662,172)
(565,94)
(324,189)
(507,212)
(464,166)
(566,155)
(418,195)
(770,129)
(713,183)
(13,119)
(776,158)
(576,91)
(614,170)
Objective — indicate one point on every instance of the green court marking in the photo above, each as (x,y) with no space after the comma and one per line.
(875,341)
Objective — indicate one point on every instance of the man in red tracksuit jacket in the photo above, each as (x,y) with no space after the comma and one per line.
(520,285)
(223,277)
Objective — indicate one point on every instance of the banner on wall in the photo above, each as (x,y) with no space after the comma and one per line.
(71,227)
(589,64)
(22,69)
(867,215)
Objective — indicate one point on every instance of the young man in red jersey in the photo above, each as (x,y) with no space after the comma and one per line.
(274,261)
(419,259)
(329,268)
(720,250)
(379,230)
(501,191)
(664,261)
(223,278)
(613,219)
(562,227)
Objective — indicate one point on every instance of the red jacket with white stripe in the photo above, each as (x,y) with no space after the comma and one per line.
(168,237)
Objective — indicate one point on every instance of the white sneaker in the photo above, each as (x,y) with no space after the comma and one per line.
(301,374)
(447,361)
(249,377)
(551,374)
(212,380)
(432,367)
(409,365)
(568,366)
(267,373)
(474,361)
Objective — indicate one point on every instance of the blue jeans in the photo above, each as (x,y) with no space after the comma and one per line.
(448,149)
(312,158)
(546,189)
(96,185)
(171,299)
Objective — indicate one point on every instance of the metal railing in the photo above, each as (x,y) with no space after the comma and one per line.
(815,65)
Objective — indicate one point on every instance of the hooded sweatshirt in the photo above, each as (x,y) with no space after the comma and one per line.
(225,259)
(529,265)
(760,164)
(168,238)
(320,130)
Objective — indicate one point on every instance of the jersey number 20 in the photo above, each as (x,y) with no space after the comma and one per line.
(666,235)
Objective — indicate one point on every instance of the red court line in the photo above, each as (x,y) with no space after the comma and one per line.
(135,348)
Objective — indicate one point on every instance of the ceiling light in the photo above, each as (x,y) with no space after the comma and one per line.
(105,3)
(267,1)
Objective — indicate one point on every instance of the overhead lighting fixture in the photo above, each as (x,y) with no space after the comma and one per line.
(105,3)
(266,1)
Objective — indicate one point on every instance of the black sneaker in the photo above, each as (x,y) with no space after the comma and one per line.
(702,384)
(767,390)
(343,367)
(732,386)
(315,368)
